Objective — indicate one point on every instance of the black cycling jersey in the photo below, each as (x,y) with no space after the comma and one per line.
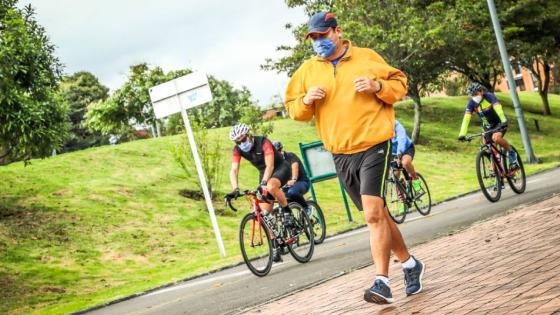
(293,158)
(257,153)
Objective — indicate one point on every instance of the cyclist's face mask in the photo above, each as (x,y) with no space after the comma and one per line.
(477,99)
(245,143)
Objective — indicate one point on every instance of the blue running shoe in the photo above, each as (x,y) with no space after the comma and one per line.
(379,293)
(512,157)
(413,277)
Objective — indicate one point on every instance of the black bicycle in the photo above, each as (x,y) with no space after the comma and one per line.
(316,217)
(492,166)
(260,234)
(400,195)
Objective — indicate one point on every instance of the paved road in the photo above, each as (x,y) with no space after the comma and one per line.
(235,289)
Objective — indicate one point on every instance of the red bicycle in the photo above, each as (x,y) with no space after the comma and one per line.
(492,166)
(260,234)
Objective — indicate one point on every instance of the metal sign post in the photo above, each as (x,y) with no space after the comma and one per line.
(178,95)
(531,158)
(319,166)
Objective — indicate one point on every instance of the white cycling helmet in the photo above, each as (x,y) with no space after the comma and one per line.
(238,130)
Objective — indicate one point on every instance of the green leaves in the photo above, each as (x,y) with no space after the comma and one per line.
(33,118)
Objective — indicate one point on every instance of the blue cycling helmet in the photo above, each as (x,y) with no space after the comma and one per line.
(475,87)
(278,145)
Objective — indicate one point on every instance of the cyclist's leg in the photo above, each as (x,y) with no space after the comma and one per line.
(297,191)
(274,187)
(279,178)
(498,137)
(406,161)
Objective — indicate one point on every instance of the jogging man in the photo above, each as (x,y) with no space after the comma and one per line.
(351,92)
(274,171)
(299,184)
(490,111)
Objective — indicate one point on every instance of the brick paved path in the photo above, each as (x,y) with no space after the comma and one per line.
(507,265)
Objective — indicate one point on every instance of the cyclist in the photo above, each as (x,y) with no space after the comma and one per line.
(488,107)
(299,184)
(274,171)
(403,150)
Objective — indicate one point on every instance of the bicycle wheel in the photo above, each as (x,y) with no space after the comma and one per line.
(516,178)
(300,240)
(317,221)
(422,198)
(256,246)
(394,196)
(488,177)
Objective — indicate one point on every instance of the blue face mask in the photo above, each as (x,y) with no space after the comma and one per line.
(246,146)
(324,47)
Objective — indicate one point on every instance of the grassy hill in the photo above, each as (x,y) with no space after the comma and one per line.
(87,227)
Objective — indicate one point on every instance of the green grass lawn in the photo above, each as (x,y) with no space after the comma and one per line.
(88,227)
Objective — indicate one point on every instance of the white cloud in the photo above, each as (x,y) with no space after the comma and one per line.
(229,39)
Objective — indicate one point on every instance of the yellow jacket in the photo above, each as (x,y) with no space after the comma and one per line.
(348,121)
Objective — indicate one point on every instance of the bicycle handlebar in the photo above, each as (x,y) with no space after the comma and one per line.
(481,134)
(257,194)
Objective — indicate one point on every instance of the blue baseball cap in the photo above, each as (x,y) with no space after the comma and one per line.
(320,23)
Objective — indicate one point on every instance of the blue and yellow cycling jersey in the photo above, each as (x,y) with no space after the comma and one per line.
(489,110)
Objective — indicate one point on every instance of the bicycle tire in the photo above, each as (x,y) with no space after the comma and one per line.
(265,256)
(482,166)
(426,190)
(300,249)
(521,170)
(392,200)
(317,219)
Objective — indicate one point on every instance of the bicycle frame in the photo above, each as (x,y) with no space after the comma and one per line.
(396,166)
(489,146)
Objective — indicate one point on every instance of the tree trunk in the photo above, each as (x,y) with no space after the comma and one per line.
(544,92)
(415,96)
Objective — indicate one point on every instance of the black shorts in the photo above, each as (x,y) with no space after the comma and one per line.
(410,151)
(364,173)
(488,136)
(282,172)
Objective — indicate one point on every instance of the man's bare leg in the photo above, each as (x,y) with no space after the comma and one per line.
(384,235)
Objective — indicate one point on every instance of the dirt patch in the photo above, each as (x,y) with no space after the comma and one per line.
(122,257)
(198,195)
(12,289)
(125,192)
(60,193)
(53,290)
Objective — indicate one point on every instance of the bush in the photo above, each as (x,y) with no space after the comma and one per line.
(209,150)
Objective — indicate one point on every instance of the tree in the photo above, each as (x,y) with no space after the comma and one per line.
(226,108)
(33,117)
(408,34)
(131,103)
(79,90)
(532,27)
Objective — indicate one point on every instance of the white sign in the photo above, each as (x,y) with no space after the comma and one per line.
(320,161)
(188,91)
(177,96)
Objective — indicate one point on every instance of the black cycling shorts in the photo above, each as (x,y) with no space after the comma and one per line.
(410,151)
(282,172)
(488,136)
(364,173)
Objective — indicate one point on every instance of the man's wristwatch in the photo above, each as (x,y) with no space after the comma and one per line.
(263,182)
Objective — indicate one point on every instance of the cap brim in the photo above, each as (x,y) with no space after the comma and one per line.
(321,30)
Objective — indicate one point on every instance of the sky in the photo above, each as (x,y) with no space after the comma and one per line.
(228,39)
